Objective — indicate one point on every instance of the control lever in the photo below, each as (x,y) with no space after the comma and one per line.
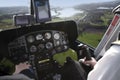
(86,53)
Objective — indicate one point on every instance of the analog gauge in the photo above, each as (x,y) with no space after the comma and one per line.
(57,43)
(39,37)
(30,39)
(56,36)
(33,48)
(49,45)
(65,47)
(64,42)
(41,46)
(47,35)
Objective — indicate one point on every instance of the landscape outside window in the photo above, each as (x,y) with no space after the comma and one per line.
(92,17)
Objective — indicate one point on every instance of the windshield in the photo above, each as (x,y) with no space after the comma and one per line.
(93,17)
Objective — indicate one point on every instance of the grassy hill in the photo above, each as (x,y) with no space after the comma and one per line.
(93,26)
(97,19)
(13,10)
(6,15)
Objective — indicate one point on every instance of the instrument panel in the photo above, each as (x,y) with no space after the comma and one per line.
(39,43)
(44,43)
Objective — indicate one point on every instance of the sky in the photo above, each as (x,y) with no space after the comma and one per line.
(63,3)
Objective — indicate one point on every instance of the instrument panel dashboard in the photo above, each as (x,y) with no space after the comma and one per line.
(44,43)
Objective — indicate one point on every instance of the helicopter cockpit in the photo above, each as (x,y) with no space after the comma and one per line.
(40,41)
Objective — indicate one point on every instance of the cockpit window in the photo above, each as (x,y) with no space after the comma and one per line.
(92,17)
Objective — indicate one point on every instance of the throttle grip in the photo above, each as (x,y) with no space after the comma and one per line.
(86,53)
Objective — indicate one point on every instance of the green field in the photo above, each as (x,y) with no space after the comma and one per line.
(91,39)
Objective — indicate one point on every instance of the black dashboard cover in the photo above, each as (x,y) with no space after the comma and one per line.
(7,36)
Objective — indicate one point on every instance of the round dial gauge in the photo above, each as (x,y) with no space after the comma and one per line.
(56,36)
(49,45)
(47,35)
(30,39)
(33,49)
(39,37)
(64,42)
(41,46)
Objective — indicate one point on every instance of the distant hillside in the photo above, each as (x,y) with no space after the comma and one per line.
(13,10)
(98,16)
(93,6)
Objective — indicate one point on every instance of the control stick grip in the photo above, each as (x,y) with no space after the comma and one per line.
(86,53)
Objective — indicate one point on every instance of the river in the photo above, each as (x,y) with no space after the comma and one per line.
(66,12)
